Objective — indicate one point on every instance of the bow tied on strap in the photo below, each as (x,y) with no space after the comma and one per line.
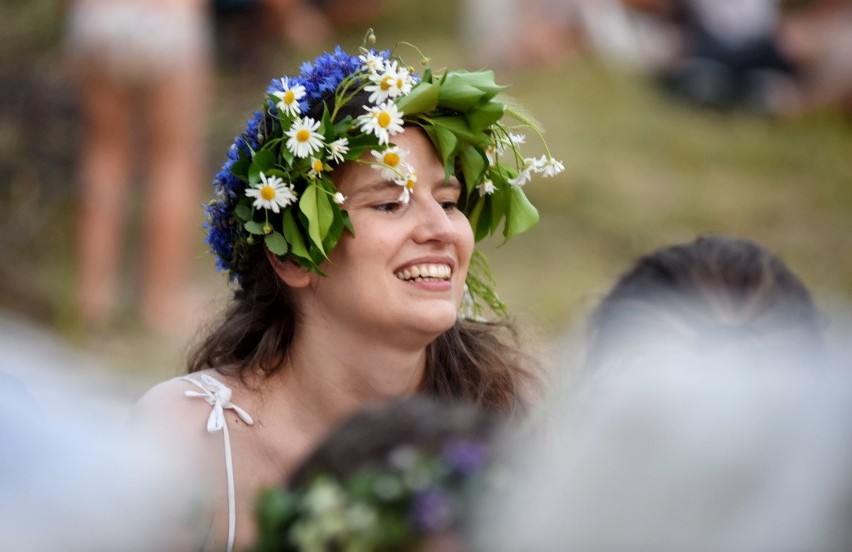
(218,396)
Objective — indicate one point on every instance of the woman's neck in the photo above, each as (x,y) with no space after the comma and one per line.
(332,377)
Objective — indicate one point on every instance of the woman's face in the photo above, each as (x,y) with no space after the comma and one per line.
(372,282)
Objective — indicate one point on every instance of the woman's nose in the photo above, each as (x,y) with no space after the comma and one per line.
(433,222)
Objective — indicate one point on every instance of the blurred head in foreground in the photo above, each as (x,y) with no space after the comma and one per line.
(714,296)
(74,481)
(391,478)
(690,436)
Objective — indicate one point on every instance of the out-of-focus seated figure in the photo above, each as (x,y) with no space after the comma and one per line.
(778,57)
(731,56)
(709,420)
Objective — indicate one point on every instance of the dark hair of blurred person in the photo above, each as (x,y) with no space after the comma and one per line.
(706,295)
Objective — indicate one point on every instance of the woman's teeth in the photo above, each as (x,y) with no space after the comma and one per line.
(419,273)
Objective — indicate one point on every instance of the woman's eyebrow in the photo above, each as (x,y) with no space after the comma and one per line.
(376,186)
(452,182)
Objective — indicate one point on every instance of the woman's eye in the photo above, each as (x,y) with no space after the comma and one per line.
(449,205)
(390,207)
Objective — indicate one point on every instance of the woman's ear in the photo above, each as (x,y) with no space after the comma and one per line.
(289,271)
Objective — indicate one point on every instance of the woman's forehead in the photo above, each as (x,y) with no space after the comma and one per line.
(414,148)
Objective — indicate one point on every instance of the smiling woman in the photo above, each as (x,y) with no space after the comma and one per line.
(346,215)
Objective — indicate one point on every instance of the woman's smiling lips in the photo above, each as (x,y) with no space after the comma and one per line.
(426,270)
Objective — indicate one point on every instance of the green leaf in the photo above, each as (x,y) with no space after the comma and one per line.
(262,162)
(337,227)
(473,165)
(423,98)
(342,125)
(293,235)
(315,205)
(327,128)
(483,117)
(360,143)
(447,142)
(243,211)
(458,125)
(483,80)
(480,227)
(347,223)
(458,95)
(499,203)
(253,227)
(521,215)
(276,243)
(240,169)
(286,155)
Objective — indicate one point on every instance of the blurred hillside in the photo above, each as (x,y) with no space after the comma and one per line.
(641,172)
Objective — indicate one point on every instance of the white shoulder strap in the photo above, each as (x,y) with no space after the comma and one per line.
(218,395)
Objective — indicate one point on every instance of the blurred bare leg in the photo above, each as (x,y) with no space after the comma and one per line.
(299,23)
(105,177)
(176,111)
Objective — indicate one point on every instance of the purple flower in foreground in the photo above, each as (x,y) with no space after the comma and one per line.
(465,457)
(433,511)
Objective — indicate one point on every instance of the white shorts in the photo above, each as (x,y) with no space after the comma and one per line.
(135,42)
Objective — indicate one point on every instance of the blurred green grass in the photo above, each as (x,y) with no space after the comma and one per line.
(641,172)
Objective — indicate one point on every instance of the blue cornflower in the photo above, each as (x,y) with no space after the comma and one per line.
(226,184)
(253,134)
(220,227)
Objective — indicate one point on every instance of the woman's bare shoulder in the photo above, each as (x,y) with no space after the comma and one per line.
(167,406)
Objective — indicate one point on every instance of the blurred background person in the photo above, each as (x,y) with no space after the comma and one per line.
(142,69)
(731,56)
(523,33)
(817,34)
(251,34)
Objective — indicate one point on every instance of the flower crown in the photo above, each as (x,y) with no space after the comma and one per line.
(416,495)
(276,189)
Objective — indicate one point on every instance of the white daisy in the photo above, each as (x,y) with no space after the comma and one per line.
(487,187)
(271,193)
(338,149)
(383,85)
(382,120)
(289,98)
(303,140)
(403,83)
(372,62)
(407,184)
(391,161)
(339,198)
(317,166)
